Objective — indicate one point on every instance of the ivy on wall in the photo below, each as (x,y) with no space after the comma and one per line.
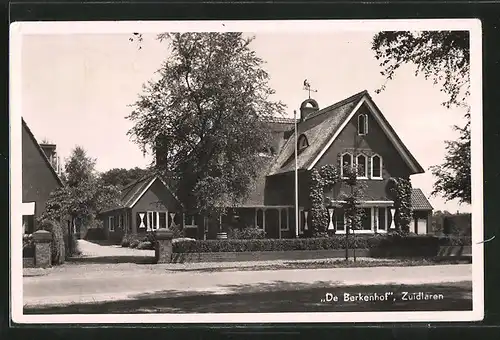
(400,191)
(321,180)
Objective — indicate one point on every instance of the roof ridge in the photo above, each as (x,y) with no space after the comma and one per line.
(336,105)
(32,136)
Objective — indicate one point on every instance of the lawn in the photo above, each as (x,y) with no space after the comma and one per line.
(281,297)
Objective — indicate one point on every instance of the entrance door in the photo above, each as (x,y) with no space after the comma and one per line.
(421,226)
(272,223)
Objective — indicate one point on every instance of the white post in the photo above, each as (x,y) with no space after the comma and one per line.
(330,219)
(305,220)
(264,220)
(296,179)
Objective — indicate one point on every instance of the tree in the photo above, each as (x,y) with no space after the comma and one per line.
(121,177)
(84,194)
(444,57)
(353,211)
(205,118)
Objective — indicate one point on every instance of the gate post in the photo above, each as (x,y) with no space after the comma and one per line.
(163,246)
(43,253)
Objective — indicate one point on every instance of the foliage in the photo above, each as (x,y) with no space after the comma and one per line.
(457,225)
(196,118)
(28,246)
(400,191)
(134,243)
(176,230)
(444,57)
(120,177)
(58,249)
(335,242)
(321,181)
(146,245)
(352,210)
(454,174)
(84,195)
(248,233)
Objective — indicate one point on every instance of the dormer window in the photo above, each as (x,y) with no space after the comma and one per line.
(302,143)
(361,166)
(362,124)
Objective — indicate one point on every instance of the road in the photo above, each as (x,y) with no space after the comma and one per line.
(97,284)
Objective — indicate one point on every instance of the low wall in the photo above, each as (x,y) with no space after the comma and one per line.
(28,262)
(443,252)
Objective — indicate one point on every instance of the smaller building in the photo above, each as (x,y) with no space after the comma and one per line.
(39,178)
(422,213)
(145,205)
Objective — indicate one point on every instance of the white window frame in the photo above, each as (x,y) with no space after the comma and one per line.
(287,219)
(366,167)
(111,223)
(149,221)
(381,167)
(193,224)
(365,116)
(381,231)
(342,163)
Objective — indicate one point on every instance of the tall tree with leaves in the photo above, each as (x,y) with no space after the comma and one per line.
(444,58)
(204,117)
(84,194)
(121,177)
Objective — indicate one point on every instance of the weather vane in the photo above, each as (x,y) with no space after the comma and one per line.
(307,87)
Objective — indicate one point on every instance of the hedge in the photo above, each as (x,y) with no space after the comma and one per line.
(334,242)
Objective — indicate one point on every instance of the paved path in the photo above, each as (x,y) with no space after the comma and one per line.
(108,285)
(89,249)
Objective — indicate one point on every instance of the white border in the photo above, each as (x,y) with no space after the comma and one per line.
(292,26)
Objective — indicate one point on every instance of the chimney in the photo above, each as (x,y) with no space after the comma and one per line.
(307,107)
(159,151)
(50,152)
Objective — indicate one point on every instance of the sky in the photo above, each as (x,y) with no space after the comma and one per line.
(77,90)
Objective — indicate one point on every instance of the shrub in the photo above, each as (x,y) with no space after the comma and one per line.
(125,242)
(28,246)
(388,243)
(178,232)
(145,245)
(134,243)
(95,234)
(248,233)
(58,247)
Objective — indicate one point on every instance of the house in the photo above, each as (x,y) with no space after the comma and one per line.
(147,204)
(39,178)
(350,132)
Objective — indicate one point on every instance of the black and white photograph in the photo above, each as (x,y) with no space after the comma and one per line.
(246,171)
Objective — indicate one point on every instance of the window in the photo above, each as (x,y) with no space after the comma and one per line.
(163,220)
(339,219)
(366,221)
(346,160)
(376,167)
(302,143)
(260,219)
(361,166)
(111,223)
(382,214)
(362,124)
(284,219)
(152,220)
(120,221)
(190,221)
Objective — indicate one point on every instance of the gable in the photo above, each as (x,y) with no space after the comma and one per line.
(39,178)
(375,142)
(156,196)
(367,105)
